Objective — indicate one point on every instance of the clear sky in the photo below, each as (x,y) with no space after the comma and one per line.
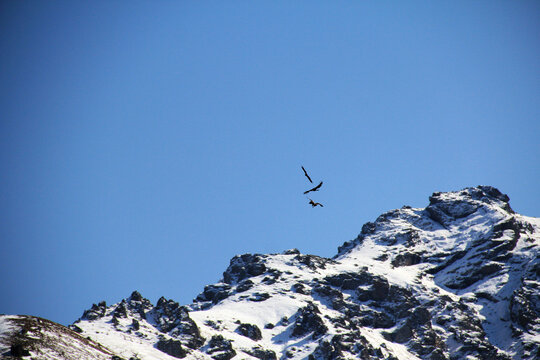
(145,143)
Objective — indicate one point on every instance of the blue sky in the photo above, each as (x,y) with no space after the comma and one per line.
(143,144)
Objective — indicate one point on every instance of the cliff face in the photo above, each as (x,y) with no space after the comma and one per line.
(457,279)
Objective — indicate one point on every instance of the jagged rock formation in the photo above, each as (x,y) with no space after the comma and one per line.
(456,280)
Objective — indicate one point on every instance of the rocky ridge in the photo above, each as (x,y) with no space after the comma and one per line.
(455,280)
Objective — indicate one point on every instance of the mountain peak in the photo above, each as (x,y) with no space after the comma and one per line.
(457,279)
(467,208)
(445,207)
(483,193)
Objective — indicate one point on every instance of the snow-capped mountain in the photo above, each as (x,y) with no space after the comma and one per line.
(455,280)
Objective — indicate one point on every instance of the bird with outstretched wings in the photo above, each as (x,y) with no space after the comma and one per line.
(305,173)
(316,188)
(314,204)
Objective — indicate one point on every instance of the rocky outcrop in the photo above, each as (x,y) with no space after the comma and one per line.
(220,348)
(308,320)
(249,330)
(214,293)
(174,319)
(95,312)
(171,347)
(262,354)
(244,266)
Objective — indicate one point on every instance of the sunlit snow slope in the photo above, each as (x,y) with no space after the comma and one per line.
(455,280)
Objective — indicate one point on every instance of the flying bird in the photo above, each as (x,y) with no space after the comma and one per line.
(305,173)
(314,204)
(316,188)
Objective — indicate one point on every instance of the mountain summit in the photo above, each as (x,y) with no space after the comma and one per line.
(455,280)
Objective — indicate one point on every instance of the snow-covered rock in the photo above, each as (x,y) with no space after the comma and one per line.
(29,337)
(455,280)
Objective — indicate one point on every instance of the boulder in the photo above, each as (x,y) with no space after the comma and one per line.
(214,293)
(262,354)
(220,348)
(171,347)
(249,330)
(406,259)
(244,285)
(258,296)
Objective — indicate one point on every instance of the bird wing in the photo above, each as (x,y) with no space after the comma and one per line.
(305,173)
(316,188)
